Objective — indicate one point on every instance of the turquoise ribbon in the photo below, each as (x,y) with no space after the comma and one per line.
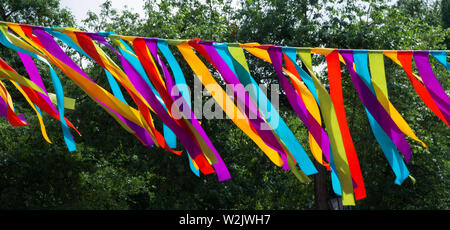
(68,138)
(389,149)
(115,87)
(335,184)
(180,82)
(66,39)
(441,56)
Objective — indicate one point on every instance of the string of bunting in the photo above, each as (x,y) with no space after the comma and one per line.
(160,90)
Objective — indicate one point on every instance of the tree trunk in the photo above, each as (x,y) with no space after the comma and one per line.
(321,195)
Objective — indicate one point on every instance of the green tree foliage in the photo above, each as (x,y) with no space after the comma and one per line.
(112,170)
(39,12)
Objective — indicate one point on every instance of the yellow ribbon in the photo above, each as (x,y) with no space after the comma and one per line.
(332,126)
(376,64)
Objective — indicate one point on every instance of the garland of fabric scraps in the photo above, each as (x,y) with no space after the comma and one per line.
(149,82)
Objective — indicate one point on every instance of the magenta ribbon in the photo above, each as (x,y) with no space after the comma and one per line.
(3,110)
(35,77)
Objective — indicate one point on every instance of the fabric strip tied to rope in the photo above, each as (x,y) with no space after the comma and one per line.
(153,78)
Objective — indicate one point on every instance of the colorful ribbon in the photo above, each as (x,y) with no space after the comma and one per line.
(157,89)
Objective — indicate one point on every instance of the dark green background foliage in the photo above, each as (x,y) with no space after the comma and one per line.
(112,170)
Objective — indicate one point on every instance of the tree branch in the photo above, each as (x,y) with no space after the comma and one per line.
(6,16)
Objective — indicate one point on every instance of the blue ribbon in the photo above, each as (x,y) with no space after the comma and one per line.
(115,87)
(180,82)
(389,149)
(441,56)
(68,138)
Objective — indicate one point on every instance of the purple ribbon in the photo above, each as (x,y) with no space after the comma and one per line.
(3,106)
(298,105)
(35,77)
